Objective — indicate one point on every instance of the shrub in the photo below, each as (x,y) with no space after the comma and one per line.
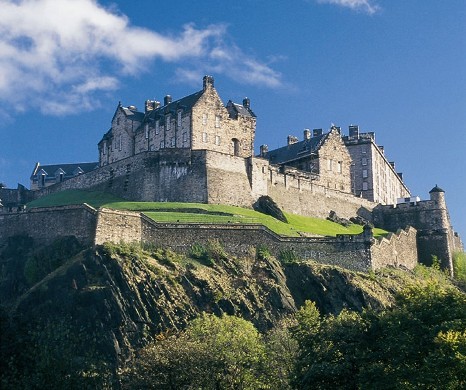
(288,256)
(459,266)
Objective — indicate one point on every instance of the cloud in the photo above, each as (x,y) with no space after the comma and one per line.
(59,55)
(367,6)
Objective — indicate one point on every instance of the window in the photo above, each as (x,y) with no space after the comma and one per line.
(364,173)
(178,120)
(217,121)
(329,164)
(104,148)
(364,186)
(217,140)
(61,177)
(172,142)
(364,161)
(42,180)
(204,137)
(120,143)
(118,121)
(363,150)
(185,136)
(204,119)
(146,130)
(157,128)
(162,144)
(340,166)
(167,123)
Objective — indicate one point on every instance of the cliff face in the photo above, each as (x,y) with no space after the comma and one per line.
(115,298)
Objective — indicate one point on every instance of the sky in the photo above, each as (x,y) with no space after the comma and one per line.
(395,67)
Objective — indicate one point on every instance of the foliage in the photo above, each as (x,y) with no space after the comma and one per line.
(288,256)
(55,354)
(459,266)
(420,344)
(210,254)
(212,353)
(43,261)
(263,253)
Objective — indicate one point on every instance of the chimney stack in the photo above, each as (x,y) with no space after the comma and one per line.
(167,100)
(316,132)
(208,81)
(354,132)
(152,105)
(246,103)
(291,139)
(307,134)
(264,149)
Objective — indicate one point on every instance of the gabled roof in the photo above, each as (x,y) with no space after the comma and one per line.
(297,150)
(133,114)
(68,169)
(185,104)
(239,109)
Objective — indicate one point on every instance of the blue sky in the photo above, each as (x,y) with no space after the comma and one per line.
(396,67)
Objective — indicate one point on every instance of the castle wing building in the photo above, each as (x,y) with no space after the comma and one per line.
(199,121)
(47,175)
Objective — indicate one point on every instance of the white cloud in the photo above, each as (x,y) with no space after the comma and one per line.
(368,6)
(56,55)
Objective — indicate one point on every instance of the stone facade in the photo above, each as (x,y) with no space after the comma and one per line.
(358,253)
(436,236)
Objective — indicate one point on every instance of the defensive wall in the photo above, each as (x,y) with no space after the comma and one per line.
(435,235)
(184,175)
(359,252)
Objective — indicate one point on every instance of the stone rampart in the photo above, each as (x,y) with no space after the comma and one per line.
(48,223)
(355,252)
(397,249)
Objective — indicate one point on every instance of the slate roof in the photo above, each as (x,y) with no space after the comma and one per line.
(186,104)
(241,109)
(294,151)
(68,169)
(436,189)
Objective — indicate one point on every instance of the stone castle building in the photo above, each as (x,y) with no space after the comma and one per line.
(196,149)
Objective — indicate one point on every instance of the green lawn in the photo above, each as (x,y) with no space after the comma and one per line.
(202,213)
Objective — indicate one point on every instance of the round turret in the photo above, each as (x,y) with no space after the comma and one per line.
(438,195)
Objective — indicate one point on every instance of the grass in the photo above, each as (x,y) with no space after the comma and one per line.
(202,213)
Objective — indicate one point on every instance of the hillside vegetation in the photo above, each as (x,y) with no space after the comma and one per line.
(75,317)
(203,213)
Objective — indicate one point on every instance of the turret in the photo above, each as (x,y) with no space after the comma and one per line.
(438,196)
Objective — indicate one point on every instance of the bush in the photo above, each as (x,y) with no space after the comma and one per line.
(459,266)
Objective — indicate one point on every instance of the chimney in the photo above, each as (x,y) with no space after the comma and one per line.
(354,132)
(246,103)
(152,105)
(307,134)
(382,149)
(291,139)
(400,175)
(316,132)
(264,149)
(392,163)
(167,100)
(208,81)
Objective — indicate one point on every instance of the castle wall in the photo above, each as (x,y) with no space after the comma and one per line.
(118,226)
(299,195)
(177,175)
(48,223)
(396,250)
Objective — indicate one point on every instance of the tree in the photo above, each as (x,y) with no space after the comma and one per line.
(212,353)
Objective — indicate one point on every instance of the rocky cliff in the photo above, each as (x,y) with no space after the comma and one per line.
(109,300)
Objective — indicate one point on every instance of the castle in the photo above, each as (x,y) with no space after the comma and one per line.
(196,149)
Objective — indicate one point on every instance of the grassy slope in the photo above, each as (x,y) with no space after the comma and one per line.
(201,213)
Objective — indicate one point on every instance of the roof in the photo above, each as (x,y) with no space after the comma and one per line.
(186,104)
(133,114)
(68,169)
(240,109)
(436,189)
(297,150)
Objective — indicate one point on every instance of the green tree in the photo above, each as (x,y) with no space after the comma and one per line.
(212,353)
